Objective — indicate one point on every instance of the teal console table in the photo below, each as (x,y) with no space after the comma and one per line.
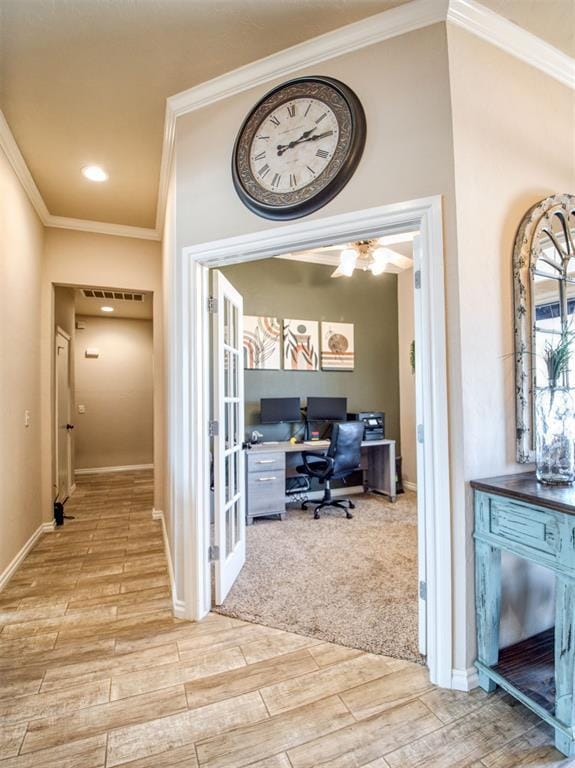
(517,514)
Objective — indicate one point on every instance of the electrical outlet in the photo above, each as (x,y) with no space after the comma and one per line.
(26,418)
(81,409)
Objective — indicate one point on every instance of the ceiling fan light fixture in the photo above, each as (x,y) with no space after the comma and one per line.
(380,259)
(347,261)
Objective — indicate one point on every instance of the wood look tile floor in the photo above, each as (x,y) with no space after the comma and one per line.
(95,672)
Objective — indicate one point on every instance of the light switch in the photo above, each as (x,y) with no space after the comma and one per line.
(92,352)
(26,418)
(81,409)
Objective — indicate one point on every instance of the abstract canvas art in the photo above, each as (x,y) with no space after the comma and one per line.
(337,347)
(262,343)
(301,345)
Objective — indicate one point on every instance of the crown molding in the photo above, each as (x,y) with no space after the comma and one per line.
(16,160)
(514,40)
(102,228)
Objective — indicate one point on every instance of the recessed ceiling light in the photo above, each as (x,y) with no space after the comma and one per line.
(95,173)
(107,309)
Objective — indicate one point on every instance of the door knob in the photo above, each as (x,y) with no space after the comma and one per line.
(69,426)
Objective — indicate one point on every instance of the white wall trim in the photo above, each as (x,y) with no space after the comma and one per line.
(409,486)
(106,470)
(13,566)
(464,679)
(157,514)
(513,39)
(102,227)
(189,365)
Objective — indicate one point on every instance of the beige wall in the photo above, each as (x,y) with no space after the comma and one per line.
(21,236)
(82,258)
(514,145)
(403,84)
(406,334)
(116,390)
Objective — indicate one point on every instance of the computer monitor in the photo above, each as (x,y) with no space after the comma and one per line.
(327,408)
(274,410)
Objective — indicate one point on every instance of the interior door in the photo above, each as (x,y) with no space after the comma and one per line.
(421,536)
(63,426)
(228,415)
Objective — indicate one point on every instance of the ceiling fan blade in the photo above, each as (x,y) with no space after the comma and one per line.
(403,262)
(337,273)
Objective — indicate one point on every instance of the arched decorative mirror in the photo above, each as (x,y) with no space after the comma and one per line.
(544,283)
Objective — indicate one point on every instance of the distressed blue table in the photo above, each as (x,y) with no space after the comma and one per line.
(517,514)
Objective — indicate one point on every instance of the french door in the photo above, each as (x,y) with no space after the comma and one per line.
(228,453)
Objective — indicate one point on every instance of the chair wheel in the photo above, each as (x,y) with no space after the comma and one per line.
(349,515)
(304,505)
(351,505)
(316,515)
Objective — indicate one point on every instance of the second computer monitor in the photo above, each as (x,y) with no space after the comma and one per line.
(327,408)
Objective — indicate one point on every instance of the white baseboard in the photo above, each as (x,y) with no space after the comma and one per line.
(13,566)
(177,605)
(105,470)
(464,679)
(409,486)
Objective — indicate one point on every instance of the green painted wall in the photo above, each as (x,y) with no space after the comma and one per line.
(283,289)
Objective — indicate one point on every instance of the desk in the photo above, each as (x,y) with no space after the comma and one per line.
(537,523)
(267,467)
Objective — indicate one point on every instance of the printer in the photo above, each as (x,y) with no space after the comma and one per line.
(373,423)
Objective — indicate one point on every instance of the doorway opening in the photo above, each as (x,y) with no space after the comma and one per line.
(325,349)
(189,364)
(103,384)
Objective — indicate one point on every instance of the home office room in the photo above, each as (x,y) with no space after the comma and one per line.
(329,428)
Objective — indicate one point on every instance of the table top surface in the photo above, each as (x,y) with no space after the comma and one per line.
(525,487)
(322,445)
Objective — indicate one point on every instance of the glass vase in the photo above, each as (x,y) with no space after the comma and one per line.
(555,435)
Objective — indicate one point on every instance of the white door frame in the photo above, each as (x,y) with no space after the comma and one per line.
(70,489)
(189,366)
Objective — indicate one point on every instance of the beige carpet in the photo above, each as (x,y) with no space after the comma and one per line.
(352,582)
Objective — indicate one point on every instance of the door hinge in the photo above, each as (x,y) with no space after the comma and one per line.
(417,278)
(212,305)
(423,590)
(213,553)
(420,433)
(213,429)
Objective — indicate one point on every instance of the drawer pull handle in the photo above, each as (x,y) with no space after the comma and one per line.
(266,479)
(265,461)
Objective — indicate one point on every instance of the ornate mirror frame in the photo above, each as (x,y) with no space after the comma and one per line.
(527,251)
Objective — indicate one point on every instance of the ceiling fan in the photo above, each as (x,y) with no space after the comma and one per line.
(370,256)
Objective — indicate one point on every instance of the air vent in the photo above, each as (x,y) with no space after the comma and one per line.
(99,293)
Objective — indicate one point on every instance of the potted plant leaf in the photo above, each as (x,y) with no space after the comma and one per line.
(555,416)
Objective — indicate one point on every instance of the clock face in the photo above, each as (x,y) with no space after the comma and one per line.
(293,145)
(298,147)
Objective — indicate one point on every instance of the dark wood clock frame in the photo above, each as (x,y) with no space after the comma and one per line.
(293,205)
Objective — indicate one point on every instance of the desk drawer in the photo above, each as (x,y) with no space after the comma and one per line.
(263,462)
(530,527)
(266,492)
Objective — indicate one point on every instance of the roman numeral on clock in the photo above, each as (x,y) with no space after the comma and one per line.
(292,180)
(274,120)
(263,171)
(260,155)
(291,110)
(320,118)
(322,153)
(276,179)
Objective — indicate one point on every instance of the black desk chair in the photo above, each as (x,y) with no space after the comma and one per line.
(342,458)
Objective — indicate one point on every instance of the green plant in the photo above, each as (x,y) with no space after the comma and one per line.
(557,358)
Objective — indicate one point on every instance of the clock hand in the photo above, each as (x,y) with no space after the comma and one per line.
(283,147)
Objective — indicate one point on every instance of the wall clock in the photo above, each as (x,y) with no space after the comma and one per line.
(298,147)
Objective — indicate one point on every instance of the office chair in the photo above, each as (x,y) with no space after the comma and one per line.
(342,458)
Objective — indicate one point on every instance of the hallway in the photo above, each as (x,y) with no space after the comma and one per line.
(95,672)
